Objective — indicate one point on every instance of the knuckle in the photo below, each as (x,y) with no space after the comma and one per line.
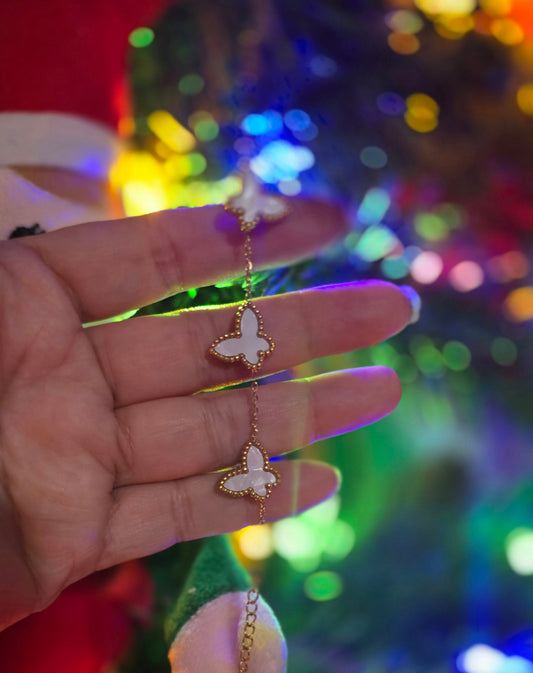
(182,513)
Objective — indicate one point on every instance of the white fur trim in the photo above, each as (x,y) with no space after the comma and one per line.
(58,140)
(22,204)
(210,641)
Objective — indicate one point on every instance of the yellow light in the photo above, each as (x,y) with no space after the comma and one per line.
(496,7)
(422,113)
(454,27)
(436,7)
(507,31)
(171,132)
(403,43)
(519,304)
(178,166)
(141,166)
(524,98)
(519,550)
(422,100)
(141,198)
(256,542)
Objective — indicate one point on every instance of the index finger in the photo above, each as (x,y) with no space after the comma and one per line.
(114,266)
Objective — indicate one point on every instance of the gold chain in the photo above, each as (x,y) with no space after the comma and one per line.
(248,267)
(253,594)
(249,629)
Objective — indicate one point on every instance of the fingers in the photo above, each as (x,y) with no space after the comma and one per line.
(152,517)
(115,266)
(180,437)
(155,357)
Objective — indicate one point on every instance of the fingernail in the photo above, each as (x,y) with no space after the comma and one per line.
(415,302)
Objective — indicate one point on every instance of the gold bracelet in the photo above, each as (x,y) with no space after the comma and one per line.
(250,344)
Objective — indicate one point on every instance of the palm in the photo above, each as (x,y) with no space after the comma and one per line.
(59,436)
(106,452)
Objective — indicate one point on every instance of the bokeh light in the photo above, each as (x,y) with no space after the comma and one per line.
(255,542)
(466,276)
(519,550)
(481,659)
(191,84)
(171,132)
(457,355)
(373,157)
(519,304)
(422,113)
(391,103)
(404,21)
(374,206)
(507,31)
(524,98)
(323,586)
(426,267)
(504,351)
(509,266)
(404,43)
(436,7)
(141,37)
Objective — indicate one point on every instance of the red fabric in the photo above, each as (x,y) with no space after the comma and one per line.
(86,630)
(69,55)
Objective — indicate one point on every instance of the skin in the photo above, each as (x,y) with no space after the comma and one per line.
(106,448)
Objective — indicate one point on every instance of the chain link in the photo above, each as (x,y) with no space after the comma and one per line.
(253,594)
(249,267)
(249,629)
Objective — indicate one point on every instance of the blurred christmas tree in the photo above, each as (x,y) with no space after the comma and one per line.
(418,115)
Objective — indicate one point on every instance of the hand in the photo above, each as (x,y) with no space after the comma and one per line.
(106,453)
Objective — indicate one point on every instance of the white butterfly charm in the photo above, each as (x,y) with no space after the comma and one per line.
(247,342)
(253,477)
(251,205)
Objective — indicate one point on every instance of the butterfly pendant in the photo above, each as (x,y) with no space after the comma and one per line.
(252,205)
(247,342)
(253,477)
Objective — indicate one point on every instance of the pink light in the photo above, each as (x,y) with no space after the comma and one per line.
(426,268)
(466,276)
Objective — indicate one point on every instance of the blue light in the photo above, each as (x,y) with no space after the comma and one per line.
(255,124)
(323,66)
(275,121)
(279,160)
(297,120)
(391,103)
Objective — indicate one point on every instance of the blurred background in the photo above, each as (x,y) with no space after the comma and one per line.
(417,115)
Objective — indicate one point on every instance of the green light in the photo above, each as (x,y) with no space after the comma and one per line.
(197,162)
(457,356)
(504,351)
(206,130)
(141,37)
(375,204)
(431,227)
(323,586)
(451,214)
(376,242)
(384,354)
(395,267)
(339,540)
(191,84)
(427,357)
(406,368)
(192,293)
